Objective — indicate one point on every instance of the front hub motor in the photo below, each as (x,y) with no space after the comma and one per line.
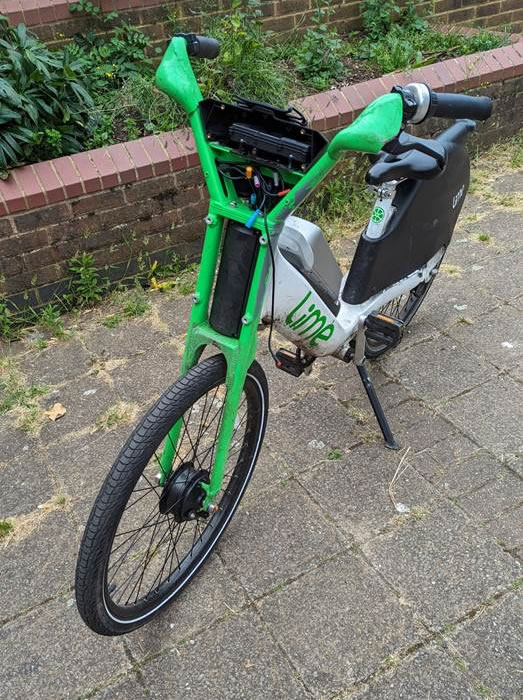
(183,495)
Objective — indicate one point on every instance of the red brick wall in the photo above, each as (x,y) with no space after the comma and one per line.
(53,22)
(146,196)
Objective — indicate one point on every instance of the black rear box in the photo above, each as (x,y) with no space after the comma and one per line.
(426,213)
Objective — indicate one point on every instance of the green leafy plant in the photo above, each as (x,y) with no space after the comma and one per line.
(95,11)
(44,98)
(397,37)
(318,56)
(378,17)
(112,50)
(131,128)
(86,287)
(335,453)
(7,322)
(5,528)
(135,302)
(248,64)
(49,320)
(112,321)
(103,132)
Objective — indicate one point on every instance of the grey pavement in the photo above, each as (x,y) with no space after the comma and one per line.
(329,582)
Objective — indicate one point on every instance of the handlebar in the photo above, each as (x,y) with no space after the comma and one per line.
(420,103)
(459,106)
(201,46)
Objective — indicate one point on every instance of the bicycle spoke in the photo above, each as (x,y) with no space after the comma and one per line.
(149,547)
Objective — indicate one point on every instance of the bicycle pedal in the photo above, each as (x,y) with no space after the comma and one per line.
(383,328)
(288,362)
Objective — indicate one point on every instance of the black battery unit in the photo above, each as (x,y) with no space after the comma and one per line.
(265,133)
(239,254)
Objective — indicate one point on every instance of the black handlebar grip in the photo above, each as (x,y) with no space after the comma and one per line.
(208,47)
(455,106)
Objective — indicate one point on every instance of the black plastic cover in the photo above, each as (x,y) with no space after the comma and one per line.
(265,133)
(426,213)
(239,254)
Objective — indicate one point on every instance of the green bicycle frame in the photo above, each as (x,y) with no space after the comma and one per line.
(378,123)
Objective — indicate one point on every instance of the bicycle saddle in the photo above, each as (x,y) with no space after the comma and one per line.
(412,165)
(408,156)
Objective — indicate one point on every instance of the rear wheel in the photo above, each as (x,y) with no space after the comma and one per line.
(144,542)
(402,308)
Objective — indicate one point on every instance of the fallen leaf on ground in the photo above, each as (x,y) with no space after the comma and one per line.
(56,411)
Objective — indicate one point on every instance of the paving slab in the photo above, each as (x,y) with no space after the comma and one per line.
(233,660)
(129,687)
(491,646)
(307,429)
(276,538)
(131,338)
(441,564)
(81,464)
(491,414)
(212,595)
(60,657)
(25,484)
(498,277)
(173,310)
(454,447)
(144,378)
(417,427)
(496,336)
(338,623)
(506,529)
(354,490)
(15,442)
(270,469)
(430,673)
(60,361)
(455,295)
(85,400)
(504,492)
(448,369)
(502,226)
(38,562)
(459,477)
(344,382)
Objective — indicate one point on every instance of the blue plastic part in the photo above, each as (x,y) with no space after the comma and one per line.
(252,218)
(253,198)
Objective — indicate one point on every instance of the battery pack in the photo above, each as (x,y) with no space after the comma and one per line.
(239,254)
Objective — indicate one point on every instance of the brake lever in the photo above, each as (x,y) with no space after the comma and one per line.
(406,142)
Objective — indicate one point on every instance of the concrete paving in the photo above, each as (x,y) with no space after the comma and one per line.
(327,583)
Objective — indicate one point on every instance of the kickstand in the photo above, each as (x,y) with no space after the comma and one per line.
(359,359)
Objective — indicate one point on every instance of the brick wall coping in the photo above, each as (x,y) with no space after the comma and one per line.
(36,12)
(52,181)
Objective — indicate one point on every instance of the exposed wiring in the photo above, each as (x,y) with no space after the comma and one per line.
(273,291)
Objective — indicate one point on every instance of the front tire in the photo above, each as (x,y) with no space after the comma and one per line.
(134,557)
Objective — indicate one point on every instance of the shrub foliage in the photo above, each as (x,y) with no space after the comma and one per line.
(44,99)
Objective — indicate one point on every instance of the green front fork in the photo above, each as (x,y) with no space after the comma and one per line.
(239,352)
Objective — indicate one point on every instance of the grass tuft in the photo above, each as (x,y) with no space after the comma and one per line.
(5,528)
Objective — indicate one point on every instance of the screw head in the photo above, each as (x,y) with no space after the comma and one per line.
(246,320)
(195,298)
(209,220)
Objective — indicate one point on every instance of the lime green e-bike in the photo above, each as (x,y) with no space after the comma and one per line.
(180,476)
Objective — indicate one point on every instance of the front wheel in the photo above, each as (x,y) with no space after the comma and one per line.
(144,542)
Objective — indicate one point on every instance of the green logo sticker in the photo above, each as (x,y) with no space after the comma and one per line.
(378,214)
(312,324)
